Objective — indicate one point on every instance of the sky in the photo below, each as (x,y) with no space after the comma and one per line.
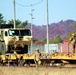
(58,10)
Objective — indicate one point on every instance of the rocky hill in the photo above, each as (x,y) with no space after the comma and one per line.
(61,28)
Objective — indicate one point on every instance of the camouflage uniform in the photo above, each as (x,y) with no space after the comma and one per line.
(73,42)
(37,58)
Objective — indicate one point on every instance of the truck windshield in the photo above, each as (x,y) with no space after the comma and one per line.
(19,33)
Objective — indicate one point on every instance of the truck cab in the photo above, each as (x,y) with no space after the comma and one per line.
(18,39)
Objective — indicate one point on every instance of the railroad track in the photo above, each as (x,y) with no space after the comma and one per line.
(48,66)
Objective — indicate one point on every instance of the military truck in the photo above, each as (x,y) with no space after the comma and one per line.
(18,39)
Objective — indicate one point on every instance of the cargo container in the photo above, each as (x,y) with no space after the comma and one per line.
(66,47)
(34,47)
(52,48)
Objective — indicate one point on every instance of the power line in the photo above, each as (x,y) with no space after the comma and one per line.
(38,3)
(30,4)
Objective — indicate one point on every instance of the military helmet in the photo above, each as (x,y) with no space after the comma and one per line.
(37,49)
(73,34)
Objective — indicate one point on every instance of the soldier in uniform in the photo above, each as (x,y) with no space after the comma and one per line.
(73,42)
(37,58)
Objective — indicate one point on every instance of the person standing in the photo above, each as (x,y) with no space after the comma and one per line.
(73,42)
(37,57)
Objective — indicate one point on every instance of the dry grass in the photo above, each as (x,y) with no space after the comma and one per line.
(36,71)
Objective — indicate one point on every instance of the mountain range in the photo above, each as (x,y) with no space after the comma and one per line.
(61,28)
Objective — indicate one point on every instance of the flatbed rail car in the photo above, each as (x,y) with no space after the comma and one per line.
(61,58)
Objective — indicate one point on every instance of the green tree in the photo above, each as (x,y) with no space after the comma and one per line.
(19,24)
(44,41)
(57,39)
(24,23)
(2,21)
(51,41)
(35,39)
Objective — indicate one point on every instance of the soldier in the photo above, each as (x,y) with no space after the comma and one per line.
(37,58)
(73,42)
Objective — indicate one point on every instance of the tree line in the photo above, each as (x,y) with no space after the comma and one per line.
(19,24)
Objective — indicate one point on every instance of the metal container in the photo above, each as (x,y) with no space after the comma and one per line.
(52,48)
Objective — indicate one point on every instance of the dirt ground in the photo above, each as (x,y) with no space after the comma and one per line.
(36,71)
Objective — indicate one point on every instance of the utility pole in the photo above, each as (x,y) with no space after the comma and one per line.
(31,18)
(47,21)
(14,14)
(31,23)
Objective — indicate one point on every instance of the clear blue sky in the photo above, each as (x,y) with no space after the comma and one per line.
(58,10)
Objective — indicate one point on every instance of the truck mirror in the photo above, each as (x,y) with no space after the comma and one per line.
(6,33)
